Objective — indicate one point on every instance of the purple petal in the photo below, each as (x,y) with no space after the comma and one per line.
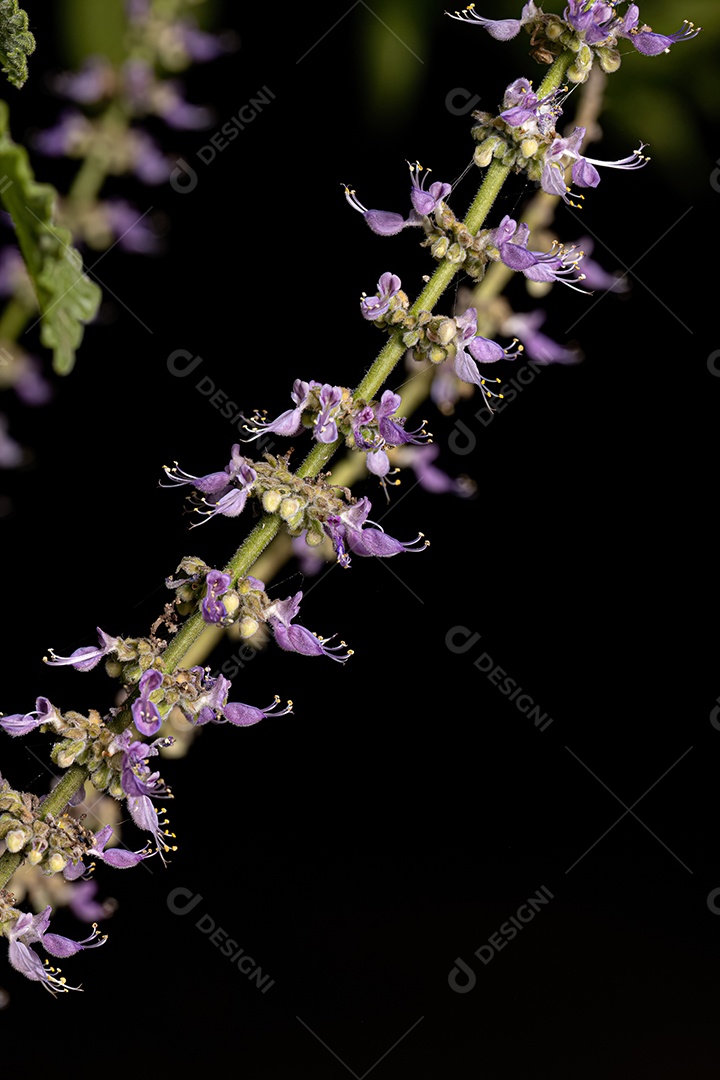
(242,715)
(384,222)
(485,351)
(584,174)
(60,946)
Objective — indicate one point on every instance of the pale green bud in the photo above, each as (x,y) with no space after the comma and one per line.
(609,59)
(16,839)
(289,508)
(271,500)
(247,626)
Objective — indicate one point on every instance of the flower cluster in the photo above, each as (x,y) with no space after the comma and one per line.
(523,136)
(23,930)
(331,412)
(248,606)
(590,29)
(424,202)
(306,506)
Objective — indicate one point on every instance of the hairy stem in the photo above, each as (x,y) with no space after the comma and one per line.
(269,526)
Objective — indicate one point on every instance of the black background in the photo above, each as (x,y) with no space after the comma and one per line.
(407,809)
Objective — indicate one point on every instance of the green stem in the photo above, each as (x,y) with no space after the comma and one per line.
(269,526)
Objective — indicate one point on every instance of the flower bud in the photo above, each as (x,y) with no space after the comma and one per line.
(101,776)
(443,332)
(65,752)
(231,601)
(16,839)
(411,338)
(315,535)
(455,254)
(439,248)
(437,354)
(113,668)
(271,500)
(609,59)
(528,147)
(35,856)
(56,862)
(577,74)
(554,27)
(115,788)
(290,507)
(247,626)
(485,152)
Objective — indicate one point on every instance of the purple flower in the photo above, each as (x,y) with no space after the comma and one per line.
(470,347)
(393,431)
(119,858)
(136,778)
(562,151)
(13,274)
(246,715)
(420,459)
(83,904)
(179,113)
(522,107)
(648,43)
(347,530)
(538,347)
(500,29)
(32,387)
(28,930)
(213,609)
(146,818)
(87,657)
(228,490)
(11,453)
(325,430)
(596,277)
(288,423)
(426,202)
(600,26)
(145,713)
(150,164)
(93,82)
(212,707)
(202,47)
(23,723)
(129,228)
(382,222)
(372,307)
(68,135)
(554,265)
(295,638)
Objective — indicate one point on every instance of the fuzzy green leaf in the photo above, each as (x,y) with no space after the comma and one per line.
(16,42)
(66,296)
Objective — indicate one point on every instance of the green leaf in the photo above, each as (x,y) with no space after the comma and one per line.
(16,42)
(66,296)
